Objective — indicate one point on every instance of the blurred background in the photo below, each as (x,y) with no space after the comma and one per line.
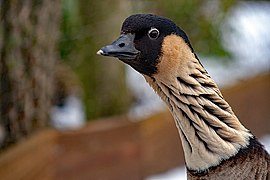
(67,113)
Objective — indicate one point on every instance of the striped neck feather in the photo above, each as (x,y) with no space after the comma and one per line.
(209,130)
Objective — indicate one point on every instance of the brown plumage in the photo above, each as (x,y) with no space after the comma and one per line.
(216,145)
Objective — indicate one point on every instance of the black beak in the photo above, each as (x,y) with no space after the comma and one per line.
(123,48)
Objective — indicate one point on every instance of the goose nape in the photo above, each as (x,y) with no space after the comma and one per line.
(216,145)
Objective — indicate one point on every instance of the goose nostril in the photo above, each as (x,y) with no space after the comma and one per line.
(121,45)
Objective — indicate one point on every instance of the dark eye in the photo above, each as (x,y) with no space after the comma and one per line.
(153,33)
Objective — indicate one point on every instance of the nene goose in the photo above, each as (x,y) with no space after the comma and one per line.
(216,145)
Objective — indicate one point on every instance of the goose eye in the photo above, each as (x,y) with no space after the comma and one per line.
(153,33)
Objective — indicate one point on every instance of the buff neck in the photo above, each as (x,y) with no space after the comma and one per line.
(209,130)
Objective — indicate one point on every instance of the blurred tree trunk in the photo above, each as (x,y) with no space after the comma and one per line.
(28,44)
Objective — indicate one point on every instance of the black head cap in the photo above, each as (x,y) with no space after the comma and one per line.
(140,23)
